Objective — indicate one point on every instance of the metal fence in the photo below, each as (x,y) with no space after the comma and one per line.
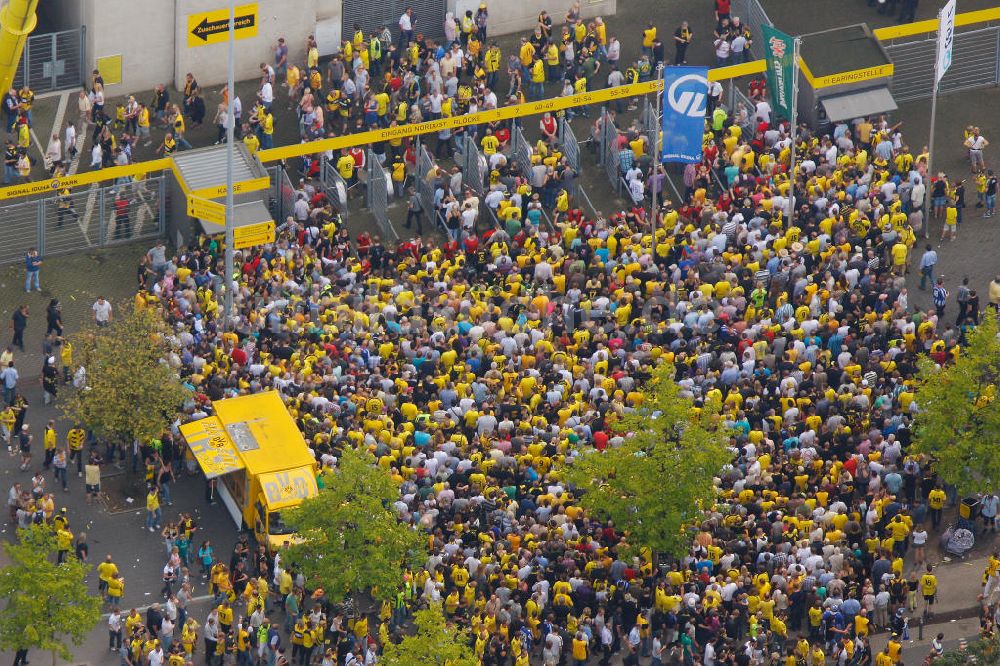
(474,166)
(752,15)
(649,121)
(521,151)
(335,187)
(281,196)
(378,197)
(95,217)
(571,149)
(52,61)
(426,186)
(737,101)
(609,151)
(975,63)
(570,146)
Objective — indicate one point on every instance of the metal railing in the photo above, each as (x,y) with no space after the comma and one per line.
(752,15)
(281,195)
(975,63)
(94,217)
(521,150)
(52,61)
(426,187)
(335,187)
(570,146)
(609,151)
(474,166)
(378,197)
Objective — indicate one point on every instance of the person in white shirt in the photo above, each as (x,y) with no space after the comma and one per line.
(115,625)
(763,111)
(102,311)
(69,141)
(405,29)
(267,95)
(976,143)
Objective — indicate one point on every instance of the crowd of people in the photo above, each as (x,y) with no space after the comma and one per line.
(475,369)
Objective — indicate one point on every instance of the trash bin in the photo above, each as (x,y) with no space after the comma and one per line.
(969,508)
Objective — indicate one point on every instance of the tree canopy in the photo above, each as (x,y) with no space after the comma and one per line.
(658,480)
(47,605)
(980,651)
(130,392)
(351,541)
(436,642)
(958,422)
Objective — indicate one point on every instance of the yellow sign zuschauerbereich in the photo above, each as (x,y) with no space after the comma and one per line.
(213,27)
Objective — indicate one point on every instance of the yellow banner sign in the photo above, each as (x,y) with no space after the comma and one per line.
(252,185)
(204,209)
(53,185)
(212,446)
(213,27)
(252,235)
(854,76)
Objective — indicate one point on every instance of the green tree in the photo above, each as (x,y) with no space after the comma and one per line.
(980,651)
(436,642)
(958,422)
(131,393)
(660,478)
(351,541)
(47,604)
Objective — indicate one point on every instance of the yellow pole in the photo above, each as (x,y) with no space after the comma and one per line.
(17,21)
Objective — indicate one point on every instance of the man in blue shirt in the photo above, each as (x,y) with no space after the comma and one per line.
(32,267)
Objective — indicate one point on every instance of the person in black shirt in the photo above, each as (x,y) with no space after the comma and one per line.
(991,193)
(682,39)
(9,163)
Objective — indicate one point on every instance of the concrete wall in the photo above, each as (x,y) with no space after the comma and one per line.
(209,63)
(142,32)
(507,16)
(152,35)
(154,45)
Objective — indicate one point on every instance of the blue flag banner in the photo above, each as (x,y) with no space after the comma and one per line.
(685,100)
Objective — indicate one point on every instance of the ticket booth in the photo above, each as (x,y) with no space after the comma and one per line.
(844,73)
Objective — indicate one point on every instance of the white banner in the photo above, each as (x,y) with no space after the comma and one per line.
(946,39)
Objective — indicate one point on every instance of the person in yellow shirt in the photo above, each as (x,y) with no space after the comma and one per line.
(648,37)
(935,503)
(489,143)
(49,441)
(883,658)
(928,588)
(153,509)
(581,649)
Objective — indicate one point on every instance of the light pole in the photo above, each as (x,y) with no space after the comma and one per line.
(793,130)
(657,157)
(230,156)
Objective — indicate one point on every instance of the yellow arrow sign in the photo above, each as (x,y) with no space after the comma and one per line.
(253,234)
(213,27)
(252,185)
(203,209)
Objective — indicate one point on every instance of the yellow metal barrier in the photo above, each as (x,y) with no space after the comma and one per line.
(63,182)
(931,25)
(504,113)
(372,136)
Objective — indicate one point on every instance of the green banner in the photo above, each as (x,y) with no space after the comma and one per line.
(779,51)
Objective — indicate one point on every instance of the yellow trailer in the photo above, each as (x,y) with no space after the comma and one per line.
(260,460)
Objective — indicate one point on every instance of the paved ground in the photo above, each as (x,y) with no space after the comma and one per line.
(77,279)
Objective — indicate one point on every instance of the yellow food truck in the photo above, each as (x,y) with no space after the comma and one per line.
(260,460)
